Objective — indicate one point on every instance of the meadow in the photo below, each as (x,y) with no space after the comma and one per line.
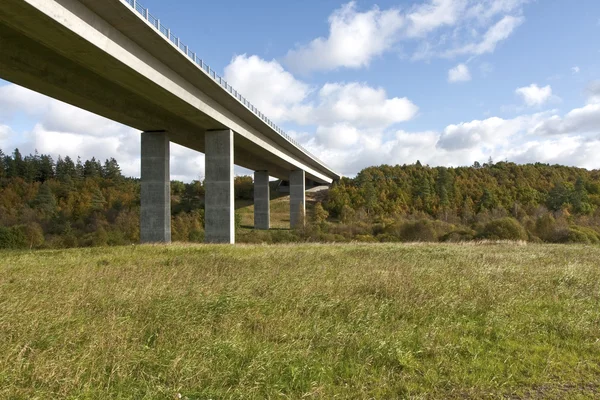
(430,321)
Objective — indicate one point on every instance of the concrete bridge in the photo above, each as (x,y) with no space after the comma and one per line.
(115,59)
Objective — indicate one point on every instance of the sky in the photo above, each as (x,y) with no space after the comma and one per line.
(362,83)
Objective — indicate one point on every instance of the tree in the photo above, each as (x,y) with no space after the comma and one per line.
(558,196)
(92,168)
(488,201)
(2,164)
(65,169)
(45,169)
(98,200)
(111,170)
(579,198)
(320,214)
(16,166)
(45,200)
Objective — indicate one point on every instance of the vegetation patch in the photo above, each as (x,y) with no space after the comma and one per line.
(301,321)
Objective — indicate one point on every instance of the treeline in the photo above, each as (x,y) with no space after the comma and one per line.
(536,202)
(46,203)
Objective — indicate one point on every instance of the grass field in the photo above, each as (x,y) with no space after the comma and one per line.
(301,321)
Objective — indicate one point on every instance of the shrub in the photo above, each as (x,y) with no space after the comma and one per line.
(365,238)
(460,235)
(13,238)
(580,234)
(418,231)
(504,229)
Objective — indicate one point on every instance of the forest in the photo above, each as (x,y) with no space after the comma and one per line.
(47,203)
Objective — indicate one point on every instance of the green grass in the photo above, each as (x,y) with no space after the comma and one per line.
(301,321)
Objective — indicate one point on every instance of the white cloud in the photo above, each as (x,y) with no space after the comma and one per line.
(533,95)
(360,105)
(339,135)
(487,133)
(575,70)
(55,115)
(267,86)
(494,35)
(439,27)
(5,132)
(432,15)
(577,121)
(460,73)
(354,39)
(593,92)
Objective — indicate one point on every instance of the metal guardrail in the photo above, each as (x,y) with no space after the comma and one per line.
(163,30)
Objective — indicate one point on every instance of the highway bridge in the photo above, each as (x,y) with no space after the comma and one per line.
(115,59)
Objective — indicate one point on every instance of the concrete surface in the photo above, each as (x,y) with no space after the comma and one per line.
(219,215)
(297,198)
(104,57)
(155,211)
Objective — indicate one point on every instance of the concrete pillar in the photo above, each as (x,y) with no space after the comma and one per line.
(297,199)
(262,195)
(219,207)
(155,212)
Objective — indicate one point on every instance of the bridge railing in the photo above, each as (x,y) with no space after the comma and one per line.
(163,30)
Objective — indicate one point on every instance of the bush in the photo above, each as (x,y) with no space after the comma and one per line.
(13,238)
(504,229)
(580,234)
(418,231)
(461,235)
(365,238)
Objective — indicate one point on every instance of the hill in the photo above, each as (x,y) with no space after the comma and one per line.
(65,203)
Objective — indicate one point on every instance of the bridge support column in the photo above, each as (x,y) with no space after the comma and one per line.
(297,198)
(219,212)
(262,195)
(155,211)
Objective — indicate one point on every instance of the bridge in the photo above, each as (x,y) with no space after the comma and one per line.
(115,59)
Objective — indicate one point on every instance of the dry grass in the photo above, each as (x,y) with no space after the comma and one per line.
(301,321)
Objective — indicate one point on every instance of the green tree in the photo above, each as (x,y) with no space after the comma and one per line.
(98,200)
(2,164)
(579,198)
(558,196)
(45,200)
(45,169)
(320,214)
(112,170)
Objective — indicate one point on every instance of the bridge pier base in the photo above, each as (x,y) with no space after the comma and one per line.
(297,198)
(155,195)
(262,196)
(219,211)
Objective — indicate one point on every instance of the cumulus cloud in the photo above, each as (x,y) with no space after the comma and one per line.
(533,95)
(268,86)
(445,28)
(354,39)
(577,121)
(575,70)
(460,73)
(361,105)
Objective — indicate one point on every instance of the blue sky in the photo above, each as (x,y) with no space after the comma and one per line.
(360,83)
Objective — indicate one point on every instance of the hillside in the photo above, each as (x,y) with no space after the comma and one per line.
(65,203)
(301,321)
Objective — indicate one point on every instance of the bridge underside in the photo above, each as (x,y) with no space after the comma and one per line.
(31,65)
(101,57)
